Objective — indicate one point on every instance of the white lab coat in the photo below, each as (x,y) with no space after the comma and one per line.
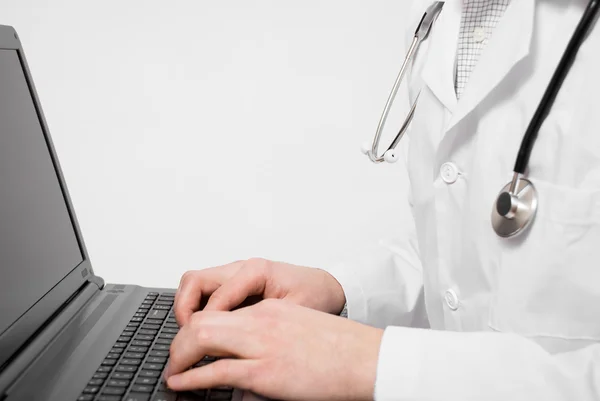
(511,319)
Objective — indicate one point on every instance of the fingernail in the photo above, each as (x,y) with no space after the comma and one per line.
(166,372)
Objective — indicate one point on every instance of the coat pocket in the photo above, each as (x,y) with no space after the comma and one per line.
(548,281)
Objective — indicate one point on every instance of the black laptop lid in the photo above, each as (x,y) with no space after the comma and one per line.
(39,243)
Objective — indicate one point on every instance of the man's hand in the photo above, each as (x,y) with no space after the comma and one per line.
(228,286)
(278,350)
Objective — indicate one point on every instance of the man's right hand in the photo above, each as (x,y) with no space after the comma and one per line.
(226,287)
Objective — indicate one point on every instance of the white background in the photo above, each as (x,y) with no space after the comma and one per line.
(194,133)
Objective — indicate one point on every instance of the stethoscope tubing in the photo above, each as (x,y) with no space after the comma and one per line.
(568,58)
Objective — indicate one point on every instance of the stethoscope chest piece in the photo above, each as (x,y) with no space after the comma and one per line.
(514,210)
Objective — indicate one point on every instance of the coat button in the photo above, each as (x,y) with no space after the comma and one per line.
(451,299)
(449,173)
(479,34)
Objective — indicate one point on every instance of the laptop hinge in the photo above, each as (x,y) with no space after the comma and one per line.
(97,280)
(26,355)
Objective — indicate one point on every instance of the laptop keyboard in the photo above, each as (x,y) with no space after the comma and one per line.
(132,370)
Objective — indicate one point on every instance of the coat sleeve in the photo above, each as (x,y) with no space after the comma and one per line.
(383,284)
(417,364)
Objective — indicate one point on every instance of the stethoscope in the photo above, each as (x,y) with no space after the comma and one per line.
(517,202)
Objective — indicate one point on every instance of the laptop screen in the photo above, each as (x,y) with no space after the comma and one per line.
(38,243)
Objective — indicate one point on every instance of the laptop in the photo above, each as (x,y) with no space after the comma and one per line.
(65,334)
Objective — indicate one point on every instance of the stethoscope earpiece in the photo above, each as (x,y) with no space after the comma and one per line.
(365,148)
(391,156)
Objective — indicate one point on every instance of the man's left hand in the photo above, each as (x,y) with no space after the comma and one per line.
(279,350)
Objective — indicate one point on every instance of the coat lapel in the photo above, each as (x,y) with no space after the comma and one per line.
(510,42)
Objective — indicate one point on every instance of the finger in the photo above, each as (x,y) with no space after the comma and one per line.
(188,298)
(211,333)
(224,372)
(249,280)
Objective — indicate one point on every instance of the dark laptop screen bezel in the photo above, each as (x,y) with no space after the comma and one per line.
(13,338)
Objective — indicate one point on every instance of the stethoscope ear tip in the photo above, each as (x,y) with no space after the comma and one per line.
(365,148)
(390,156)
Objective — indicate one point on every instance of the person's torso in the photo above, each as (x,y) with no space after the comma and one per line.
(544,283)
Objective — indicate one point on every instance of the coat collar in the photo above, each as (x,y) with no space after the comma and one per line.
(510,43)
(438,70)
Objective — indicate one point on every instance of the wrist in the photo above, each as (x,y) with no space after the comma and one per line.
(336,298)
(363,380)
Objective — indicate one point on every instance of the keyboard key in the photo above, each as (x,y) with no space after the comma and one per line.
(164,354)
(166,335)
(165,341)
(152,294)
(209,358)
(122,376)
(166,397)
(134,324)
(148,302)
(120,345)
(126,368)
(133,362)
(104,369)
(138,314)
(129,330)
(91,390)
(137,349)
(113,355)
(96,382)
(148,332)
(157,314)
(104,397)
(141,343)
(124,339)
(114,391)
(134,355)
(191,396)
(165,303)
(160,347)
(137,319)
(156,359)
(140,388)
(153,366)
(151,326)
(85,397)
(171,326)
(170,331)
(150,373)
(117,350)
(146,380)
(154,321)
(144,337)
(137,397)
(118,383)
(109,362)
(220,396)
(100,375)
